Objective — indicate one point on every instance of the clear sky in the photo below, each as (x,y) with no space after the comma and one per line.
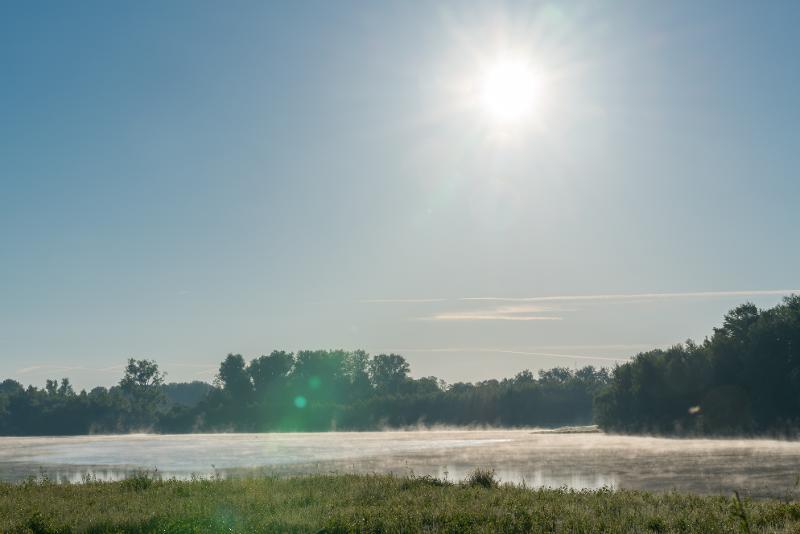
(180,180)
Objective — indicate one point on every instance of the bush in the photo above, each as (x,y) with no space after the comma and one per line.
(485,478)
(413,482)
(141,480)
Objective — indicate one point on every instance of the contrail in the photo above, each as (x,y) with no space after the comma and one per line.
(517,352)
(401,301)
(636,296)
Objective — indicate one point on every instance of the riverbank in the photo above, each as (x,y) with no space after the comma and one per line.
(372,503)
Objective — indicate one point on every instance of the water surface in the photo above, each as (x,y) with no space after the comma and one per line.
(757,467)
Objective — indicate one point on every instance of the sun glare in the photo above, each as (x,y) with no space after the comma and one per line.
(509,91)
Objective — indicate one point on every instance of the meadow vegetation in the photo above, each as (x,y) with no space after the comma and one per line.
(372,503)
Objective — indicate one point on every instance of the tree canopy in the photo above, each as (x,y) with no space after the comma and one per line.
(309,390)
(745,378)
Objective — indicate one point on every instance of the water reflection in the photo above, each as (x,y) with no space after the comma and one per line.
(580,461)
(537,479)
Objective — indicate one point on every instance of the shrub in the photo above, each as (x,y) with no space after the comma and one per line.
(141,480)
(424,481)
(482,477)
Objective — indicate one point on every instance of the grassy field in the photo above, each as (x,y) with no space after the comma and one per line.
(371,503)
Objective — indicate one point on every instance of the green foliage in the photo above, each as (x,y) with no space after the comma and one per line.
(187,394)
(140,374)
(373,503)
(388,373)
(234,378)
(482,477)
(266,371)
(744,379)
(141,388)
(311,391)
(417,481)
(141,480)
(740,512)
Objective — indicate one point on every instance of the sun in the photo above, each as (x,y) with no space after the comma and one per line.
(509,91)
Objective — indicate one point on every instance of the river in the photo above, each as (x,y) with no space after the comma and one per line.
(757,467)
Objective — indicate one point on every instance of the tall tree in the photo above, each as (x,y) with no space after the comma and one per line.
(141,386)
(234,377)
(266,371)
(388,373)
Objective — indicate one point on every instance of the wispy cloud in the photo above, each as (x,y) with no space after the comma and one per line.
(49,368)
(515,352)
(638,296)
(401,301)
(601,347)
(473,316)
(610,297)
(502,313)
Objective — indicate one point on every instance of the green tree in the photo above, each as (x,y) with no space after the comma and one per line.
(65,389)
(388,373)
(141,386)
(524,377)
(272,370)
(234,378)
(357,373)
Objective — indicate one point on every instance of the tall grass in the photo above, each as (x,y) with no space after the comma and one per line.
(372,503)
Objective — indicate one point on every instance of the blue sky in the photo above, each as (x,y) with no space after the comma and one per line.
(182,180)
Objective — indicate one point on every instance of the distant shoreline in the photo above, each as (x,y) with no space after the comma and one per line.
(588,429)
(534,430)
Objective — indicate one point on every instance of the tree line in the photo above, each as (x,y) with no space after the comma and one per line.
(743,379)
(311,390)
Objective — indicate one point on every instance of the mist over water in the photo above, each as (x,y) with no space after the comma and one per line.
(759,468)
